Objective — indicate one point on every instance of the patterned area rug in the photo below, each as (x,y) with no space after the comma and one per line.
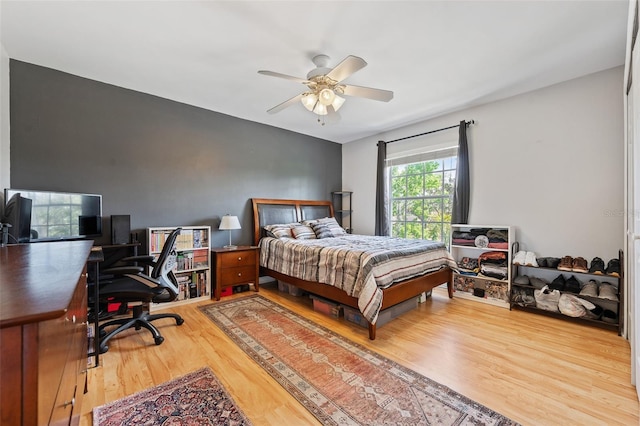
(195,399)
(340,381)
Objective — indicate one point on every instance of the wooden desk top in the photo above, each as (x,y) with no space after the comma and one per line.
(37,280)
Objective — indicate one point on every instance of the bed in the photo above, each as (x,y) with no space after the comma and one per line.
(435,270)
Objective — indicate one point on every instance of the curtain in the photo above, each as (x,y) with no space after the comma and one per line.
(460,210)
(382,217)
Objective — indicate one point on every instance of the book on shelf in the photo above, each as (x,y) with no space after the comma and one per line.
(185,239)
(197,238)
(201,258)
(157,240)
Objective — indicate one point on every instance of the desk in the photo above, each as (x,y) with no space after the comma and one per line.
(104,256)
(43,329)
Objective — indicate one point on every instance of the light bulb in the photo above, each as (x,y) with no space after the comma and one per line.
(326,96)
(309,100)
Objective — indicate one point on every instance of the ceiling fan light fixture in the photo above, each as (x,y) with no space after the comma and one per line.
(326,96)
(320,109)
(309,100)
(337,102)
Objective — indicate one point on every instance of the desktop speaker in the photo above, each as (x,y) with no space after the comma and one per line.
(120,228)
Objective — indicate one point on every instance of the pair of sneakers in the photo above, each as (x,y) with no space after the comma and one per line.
(601,290)
(571,284)
(597,267)
(570,264)
(525,258)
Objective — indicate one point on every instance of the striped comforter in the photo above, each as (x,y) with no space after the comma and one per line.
(361,265)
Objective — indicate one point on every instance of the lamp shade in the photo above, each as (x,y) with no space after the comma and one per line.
(229,222)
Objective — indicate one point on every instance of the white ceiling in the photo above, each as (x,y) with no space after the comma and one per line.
(436,56)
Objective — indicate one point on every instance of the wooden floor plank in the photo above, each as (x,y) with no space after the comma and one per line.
(534,369)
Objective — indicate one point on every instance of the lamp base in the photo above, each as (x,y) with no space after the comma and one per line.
(230,246)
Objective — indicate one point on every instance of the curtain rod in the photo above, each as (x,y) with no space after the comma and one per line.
(467,123)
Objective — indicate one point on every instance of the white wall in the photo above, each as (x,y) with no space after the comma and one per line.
(549,162)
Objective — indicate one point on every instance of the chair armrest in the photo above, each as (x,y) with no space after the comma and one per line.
(121,270)
(147,259)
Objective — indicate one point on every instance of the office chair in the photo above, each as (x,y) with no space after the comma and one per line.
(130,285)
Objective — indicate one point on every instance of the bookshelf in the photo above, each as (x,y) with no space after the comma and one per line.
(193,270)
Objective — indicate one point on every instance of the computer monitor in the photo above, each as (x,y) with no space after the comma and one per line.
(17,213)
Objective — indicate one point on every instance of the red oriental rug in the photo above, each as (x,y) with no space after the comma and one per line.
(195,399)
(339,381)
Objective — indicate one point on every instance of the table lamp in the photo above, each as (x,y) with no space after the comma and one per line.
(227,224)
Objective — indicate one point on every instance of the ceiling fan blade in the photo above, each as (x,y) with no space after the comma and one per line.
(348,66)
(285,76)
(285,104)
(368,92)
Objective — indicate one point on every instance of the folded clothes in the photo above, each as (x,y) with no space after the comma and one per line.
(492,255)
(494,271)
(463,242)
(496,234)
(498,245)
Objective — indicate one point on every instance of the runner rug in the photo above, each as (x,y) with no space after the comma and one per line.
(195,399)
(339,381)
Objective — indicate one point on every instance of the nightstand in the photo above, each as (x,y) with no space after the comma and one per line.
(235,266)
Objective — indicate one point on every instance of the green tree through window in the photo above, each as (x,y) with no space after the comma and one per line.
(421,198)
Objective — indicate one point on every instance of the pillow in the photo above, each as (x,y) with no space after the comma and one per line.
(322,230)
(333,225)
(310,222)
(280,230)
(303,232)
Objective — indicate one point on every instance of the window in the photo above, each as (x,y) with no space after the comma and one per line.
(421,195)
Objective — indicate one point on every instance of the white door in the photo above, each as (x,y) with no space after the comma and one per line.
(632,258)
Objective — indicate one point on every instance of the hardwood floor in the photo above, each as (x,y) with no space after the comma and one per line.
(534,369)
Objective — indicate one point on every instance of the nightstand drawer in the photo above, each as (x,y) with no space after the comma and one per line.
(238,275)
(238,258)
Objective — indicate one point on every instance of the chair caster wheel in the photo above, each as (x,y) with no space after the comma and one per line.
(104,349)
(159,340)
(180,321)
(102,333)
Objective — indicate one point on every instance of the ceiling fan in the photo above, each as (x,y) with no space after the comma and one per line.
(325,87)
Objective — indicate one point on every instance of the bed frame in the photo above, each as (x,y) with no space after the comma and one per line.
(268,211)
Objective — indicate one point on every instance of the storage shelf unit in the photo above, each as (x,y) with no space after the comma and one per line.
(482,288)
(548,274)
(342,209)
(193,269)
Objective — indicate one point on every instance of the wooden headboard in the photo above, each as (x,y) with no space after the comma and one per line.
(268,211)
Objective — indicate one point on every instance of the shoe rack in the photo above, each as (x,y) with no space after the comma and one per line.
(549,274)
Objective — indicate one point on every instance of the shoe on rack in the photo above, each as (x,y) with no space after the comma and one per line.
(579,264)
(594,313)
(613,267)
(572,285)
(530,259)
(558,283)
(521,280)
(609,316)
(590,289)
(597,266)
(553,262)
(520,258)
(566,264)
(537,282)
(608,291)
(542,262)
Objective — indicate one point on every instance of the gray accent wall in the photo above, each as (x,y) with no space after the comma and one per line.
(162,162)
